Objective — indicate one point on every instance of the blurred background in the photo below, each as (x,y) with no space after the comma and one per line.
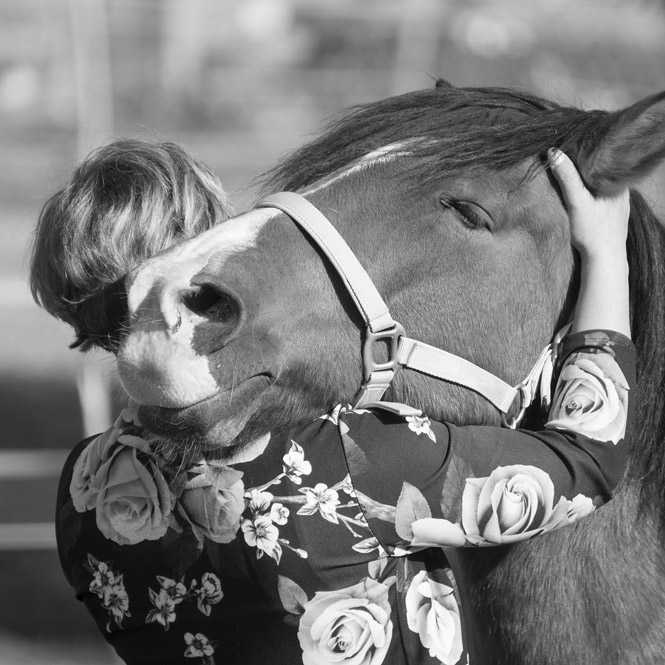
(240,83)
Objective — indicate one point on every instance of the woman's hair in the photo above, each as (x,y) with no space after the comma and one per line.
(124,203)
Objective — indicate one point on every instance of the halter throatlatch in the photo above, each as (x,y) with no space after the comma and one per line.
(402,350)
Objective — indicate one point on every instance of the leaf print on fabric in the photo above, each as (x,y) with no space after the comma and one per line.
(181,549)
(513,503)
(421,425)
(591,397)
(375,509)
(411,506)
(377,567)
(366,546)
(292,595)
(109,587)
(433,613)
(459,470)
(199,646)
(350,626)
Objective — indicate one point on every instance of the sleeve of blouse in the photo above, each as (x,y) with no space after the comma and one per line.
(422,483)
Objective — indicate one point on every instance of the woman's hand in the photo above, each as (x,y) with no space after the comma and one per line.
(598,231)
(597,225)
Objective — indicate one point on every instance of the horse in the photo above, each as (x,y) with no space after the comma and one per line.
(445,197)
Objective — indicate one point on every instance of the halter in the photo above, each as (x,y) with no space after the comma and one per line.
(404,351)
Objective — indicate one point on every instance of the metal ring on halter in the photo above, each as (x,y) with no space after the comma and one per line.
(511,422)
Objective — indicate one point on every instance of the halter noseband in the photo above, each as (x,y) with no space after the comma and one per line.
(404,351)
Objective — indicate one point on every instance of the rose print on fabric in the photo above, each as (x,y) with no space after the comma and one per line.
(433,613)
(141,490)
(349,626)
(591,397)
(212,501)
(109,587)
(513,503)
(117,477)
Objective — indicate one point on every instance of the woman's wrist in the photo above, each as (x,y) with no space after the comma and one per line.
(613,253)
(614,264)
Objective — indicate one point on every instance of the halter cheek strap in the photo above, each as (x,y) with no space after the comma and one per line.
(403,351)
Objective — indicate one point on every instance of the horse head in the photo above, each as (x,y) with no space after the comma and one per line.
(445,198)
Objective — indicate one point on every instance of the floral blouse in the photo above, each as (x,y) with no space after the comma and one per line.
(324,545)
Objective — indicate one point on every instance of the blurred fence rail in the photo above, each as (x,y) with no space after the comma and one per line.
(21,463)
(27,536)
(18,465)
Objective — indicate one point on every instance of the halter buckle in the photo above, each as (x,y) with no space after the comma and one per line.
(378,375)
(392,337)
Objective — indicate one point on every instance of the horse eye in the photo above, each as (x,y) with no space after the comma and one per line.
(468,213)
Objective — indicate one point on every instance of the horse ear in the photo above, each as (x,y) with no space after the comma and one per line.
(442,83)
(630,144)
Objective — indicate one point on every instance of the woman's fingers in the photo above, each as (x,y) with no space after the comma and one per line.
(575,194)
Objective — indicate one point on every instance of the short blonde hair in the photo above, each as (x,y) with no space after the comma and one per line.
(124,203)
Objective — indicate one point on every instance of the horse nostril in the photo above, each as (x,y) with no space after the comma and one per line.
(212,303)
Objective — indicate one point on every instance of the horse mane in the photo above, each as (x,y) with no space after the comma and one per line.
(448,129)
(497,128)
(646,257)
